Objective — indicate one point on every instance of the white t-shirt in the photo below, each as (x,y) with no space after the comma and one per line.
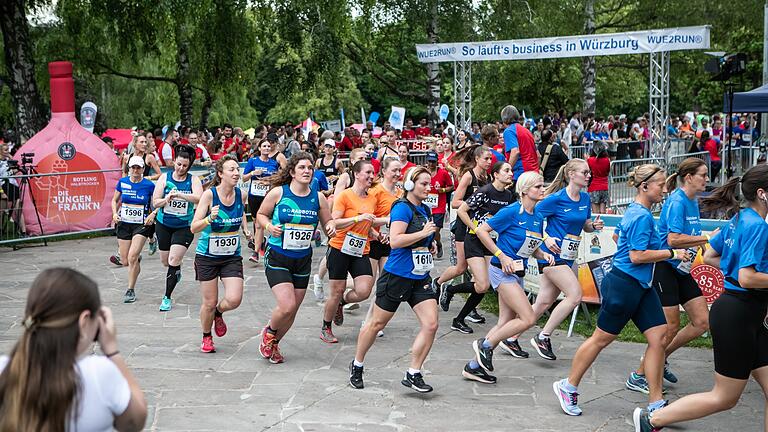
(104,394)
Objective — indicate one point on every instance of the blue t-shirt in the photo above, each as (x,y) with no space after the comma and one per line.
(400,260)
(301,212)
(510,142)
(221,239)
(637,231)
(679,215)
(136,194)
(268,168)
(742,243)
(511,225)
(178,213)
(564,217)
(319,181)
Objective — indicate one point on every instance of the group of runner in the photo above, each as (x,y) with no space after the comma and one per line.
(382,228)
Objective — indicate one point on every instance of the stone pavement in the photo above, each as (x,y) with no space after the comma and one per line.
(236,390)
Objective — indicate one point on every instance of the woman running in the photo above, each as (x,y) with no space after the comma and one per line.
(219,216)
(626,291)
(329,164)
(290,213)
(140,149)
(348,250)
(519,236)
(441,186)
(256,169)
(567,212)
(679,227)
(474,212)
(739,338)
(175,196)
(405,278)
(134,220)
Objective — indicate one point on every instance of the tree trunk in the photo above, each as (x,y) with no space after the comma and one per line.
(183,83)
(20,69)
(433,71)
(205,111)
(588,72)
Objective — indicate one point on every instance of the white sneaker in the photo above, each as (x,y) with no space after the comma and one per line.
(318,287)
(380,333)
(351,306)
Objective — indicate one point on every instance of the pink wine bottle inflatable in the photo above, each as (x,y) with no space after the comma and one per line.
(69,202)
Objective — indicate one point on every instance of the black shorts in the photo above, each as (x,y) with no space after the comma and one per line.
(739,338)
(674,288)
(438,219)
(459,230)
(207,268)
(474,248)
(339,264)
(283,269)
(126,231)
(624,299)
(379,250)
(558,262)
(391,290)
(167,236)
(11,191)
(254,202)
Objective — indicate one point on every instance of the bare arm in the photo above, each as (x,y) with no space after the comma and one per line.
(751,278)
(463,214)
(115,204)
(399,239)
(199,221)
(652,256)
(461,190)
(711,257)
(197,191)
(513,155)
(158,200)
(155,166)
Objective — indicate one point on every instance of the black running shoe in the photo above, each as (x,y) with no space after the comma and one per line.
(479,375)
(484,356)
(445,297)
(543,347)
(439,250)
(416,382)
(355,375)
(513,348)
(476,317)
(460,326)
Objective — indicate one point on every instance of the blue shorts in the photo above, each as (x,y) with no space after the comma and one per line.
(624,299)
(498,277)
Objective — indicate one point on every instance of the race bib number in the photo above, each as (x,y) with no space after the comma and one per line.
(259,189)
(422,260)
(177,207)
(132,213)
(354,244)
(530,244)
(685,266)
(431,200)
(297,236)
(224,244)
(569,249)
(384,229)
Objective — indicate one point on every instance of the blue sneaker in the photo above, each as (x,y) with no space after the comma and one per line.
(637,383)
(642,421)
(152,246)
(668,375)
(165,305)
(569,401)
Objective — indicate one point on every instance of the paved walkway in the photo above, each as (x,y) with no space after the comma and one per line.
(236,390)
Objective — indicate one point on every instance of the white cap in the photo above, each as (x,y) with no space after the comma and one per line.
(623,116)
(329,142)
(136,160)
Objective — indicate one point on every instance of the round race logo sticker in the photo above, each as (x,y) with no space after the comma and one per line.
(710,280)
(67,151)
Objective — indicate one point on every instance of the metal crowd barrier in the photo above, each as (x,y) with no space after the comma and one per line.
(620,193)
(674,161)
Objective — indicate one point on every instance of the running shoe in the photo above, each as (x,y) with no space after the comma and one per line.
(254,258)
(380,333)
(479,374)
(460,326)
(165,305)
(355,375)
(664,402)
(351,306)
(267,344)
(338,317)
(483,355)
(251,245)
(445,297)
(416,382)
(207,345)
(153,246)
(439,250)
(476,317)
(543,347)
(326,335)
(130,296)
(318,287)
(114,259)
(219,326)
(569,401)
(642,421)
(513,348)
(668,375)
(637,383)
(276,357)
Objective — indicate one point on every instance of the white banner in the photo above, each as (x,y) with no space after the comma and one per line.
(397,117)
(640,42)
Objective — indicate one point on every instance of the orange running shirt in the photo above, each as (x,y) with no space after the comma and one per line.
(351,205)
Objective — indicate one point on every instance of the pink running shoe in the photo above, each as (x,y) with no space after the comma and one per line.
(219,326)
(207,346)
(267,344)
(276,356)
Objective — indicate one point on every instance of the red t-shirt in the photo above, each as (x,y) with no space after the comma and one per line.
(408,134)
(423,131)
(527,146)
(405,167)
(345,144)
(600,167)
(441,179)
(711,147)
(376,165)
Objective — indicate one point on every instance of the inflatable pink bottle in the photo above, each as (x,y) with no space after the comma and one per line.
(68,202)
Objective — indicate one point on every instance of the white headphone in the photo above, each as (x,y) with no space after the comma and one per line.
(408,184)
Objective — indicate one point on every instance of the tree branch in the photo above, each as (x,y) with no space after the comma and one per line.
(394,87)
(358,50)
(110,71)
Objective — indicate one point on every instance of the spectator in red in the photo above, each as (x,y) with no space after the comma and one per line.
(408,133)
(370,148)
(442,185)
(346,143)
(423,130)
(600,165)
(710,145)
(216,147)
(402,154)
(520,148)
